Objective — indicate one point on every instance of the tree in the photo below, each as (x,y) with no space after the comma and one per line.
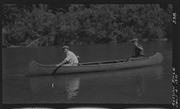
(79,23)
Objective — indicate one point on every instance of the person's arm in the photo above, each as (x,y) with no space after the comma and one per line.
(139,46)
(62,63)
(68,57)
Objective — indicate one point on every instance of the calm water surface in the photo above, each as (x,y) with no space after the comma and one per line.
(142,85)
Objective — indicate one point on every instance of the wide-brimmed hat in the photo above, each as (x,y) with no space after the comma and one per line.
(65,47)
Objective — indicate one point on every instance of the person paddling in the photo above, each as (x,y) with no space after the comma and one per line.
(70,60)
(138,51)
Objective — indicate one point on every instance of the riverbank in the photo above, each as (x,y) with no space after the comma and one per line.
(36,43)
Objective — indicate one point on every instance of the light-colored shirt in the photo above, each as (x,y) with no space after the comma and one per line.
(71,57)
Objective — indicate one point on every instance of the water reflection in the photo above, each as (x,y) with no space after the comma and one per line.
(56,89)
(126,86)
(72,87)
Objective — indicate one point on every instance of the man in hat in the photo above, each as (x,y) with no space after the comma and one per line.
(70,60)
(138,49)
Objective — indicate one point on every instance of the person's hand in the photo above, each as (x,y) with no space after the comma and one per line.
(77,56)
(57,65)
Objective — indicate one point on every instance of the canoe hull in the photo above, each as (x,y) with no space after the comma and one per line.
(39,69)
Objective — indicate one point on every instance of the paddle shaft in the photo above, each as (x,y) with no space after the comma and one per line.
(127,59)
(55,70)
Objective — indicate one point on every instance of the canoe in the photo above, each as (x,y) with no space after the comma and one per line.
(39,69)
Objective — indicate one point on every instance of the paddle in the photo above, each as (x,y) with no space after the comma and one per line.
(129,57)
(55,70)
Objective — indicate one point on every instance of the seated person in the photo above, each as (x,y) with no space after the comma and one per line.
(138,51)
(70,60)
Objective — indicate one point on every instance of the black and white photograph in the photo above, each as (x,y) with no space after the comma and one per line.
(87,53)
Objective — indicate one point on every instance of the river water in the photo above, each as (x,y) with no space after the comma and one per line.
(142,85)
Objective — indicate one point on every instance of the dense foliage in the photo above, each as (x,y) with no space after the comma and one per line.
(83,24)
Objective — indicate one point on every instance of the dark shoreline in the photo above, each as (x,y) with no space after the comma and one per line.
(143,40)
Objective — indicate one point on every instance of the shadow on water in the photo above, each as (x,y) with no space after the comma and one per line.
(127,86)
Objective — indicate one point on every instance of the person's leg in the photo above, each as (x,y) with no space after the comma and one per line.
(71,64)
(75,64)
(67,64)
